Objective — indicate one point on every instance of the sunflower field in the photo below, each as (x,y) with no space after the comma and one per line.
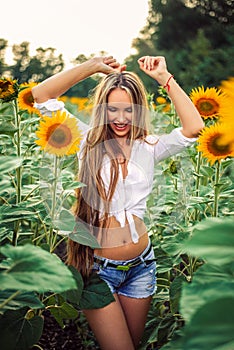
(189,216)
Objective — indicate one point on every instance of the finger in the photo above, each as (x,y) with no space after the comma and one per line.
(141,60)
(152,63)
(146,62)
(108,60)
(121,68)
(114,64)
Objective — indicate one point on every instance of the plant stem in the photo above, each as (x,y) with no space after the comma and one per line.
(18,151)
(198,166)
(216,189)
(18,170)
(53,204)
(10,298)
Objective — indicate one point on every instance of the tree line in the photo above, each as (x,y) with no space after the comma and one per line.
(197,38)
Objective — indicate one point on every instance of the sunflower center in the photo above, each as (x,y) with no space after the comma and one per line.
(59,135)
(217,148)
(207,106)
(28,99)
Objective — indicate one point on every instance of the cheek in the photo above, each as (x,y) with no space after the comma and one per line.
(110,116)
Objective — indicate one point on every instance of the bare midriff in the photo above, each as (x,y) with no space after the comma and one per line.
(116,241)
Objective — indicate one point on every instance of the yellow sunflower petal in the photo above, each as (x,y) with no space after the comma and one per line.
(59,134)
(209,101)
(227,86)
(213,145)
(25,99)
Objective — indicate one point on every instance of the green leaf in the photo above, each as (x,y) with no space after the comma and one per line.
(74,295)
(203,288)
(66,221)
(213,240)
(4,233)
(7,129)
(9,163)
(96,293)
(31,268)
(82,236)
(211,327)
(10,213)
(175,293)
(71,185)
(29,299)
(173,244)
(17,332)
(165,262)
(207,170)
(63,312)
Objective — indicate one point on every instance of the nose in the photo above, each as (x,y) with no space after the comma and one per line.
(121,116)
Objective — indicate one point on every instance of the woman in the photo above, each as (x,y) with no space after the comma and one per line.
(117,159)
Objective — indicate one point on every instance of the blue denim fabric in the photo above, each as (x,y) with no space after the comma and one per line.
(137,282)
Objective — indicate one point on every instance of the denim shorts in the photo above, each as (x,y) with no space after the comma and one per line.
(138,282)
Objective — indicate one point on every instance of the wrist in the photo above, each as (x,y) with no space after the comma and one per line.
(163,78)
(91,66)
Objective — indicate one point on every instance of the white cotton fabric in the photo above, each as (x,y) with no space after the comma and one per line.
(131,193)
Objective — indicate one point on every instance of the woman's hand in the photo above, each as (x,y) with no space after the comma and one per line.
(155,67)
(108,65)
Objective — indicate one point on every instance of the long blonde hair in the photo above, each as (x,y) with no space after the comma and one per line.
(100,141)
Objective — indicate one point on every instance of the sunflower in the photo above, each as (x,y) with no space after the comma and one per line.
(25,98)
(209,102)
(215,142)
(59,134)
(227,86)
(162,101)
(8,89)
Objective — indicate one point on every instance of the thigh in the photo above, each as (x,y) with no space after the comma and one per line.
(135,311)
(110,327)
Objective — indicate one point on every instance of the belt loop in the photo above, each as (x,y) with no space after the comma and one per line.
(105,262)
(143,260)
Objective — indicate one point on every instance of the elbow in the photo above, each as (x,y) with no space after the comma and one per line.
(35,93)
(39,95)
(195,131)
(198,129)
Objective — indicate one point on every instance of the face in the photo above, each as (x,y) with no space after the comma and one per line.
(119,112)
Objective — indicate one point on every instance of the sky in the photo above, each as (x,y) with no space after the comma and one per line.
(74,27)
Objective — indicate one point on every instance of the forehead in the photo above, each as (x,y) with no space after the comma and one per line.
(119,95)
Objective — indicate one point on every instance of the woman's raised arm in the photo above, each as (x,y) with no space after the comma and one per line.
(59,83)
(190,118)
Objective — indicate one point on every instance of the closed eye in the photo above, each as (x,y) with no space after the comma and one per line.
(129,109)
(111,109)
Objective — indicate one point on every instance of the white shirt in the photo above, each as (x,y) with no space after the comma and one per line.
(131,193)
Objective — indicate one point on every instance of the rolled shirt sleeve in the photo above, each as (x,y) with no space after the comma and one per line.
(170,144)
